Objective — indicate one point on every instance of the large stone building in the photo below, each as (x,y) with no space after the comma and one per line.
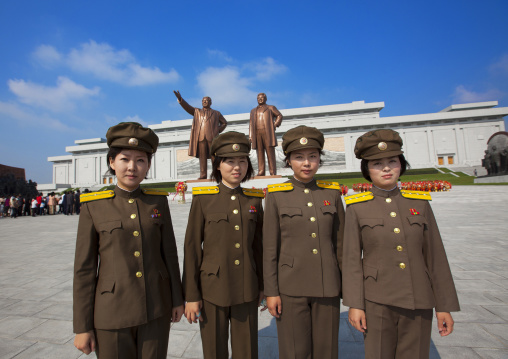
(455,136)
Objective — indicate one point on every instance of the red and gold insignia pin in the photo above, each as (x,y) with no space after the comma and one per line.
(382,146)
(413,211)
(236,147)
(304,140)
(252,209)
(133,141)
(327,203)
(156,213)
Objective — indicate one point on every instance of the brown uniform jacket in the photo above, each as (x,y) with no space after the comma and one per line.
(302,241)
(138,278)
(215,123)
(395,257)
(223,247)
(270,114)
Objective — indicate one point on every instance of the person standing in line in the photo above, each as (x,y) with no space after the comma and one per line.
(302,252)
(395,269)
(2,203)
(70,202)
(39,201)
(13,203)
(51,203)
(77,204)
(223,267)
(123,308)
(34,207)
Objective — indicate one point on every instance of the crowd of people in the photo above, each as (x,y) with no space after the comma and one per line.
(14,206)
(426,186)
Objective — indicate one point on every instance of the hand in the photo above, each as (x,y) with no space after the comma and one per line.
(193,311)
(176,314)
(357,319)
(444,323)
(274,305)
(262,301)
(85,342)
(178,96)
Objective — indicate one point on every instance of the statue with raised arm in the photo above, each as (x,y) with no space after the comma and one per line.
(206,124)
(264,119)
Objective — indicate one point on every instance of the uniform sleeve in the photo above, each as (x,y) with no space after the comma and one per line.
(271,245)
(85,273)
(257,246)
(441,278)
(340,231)
(193,253)
(170,256)
(352,270)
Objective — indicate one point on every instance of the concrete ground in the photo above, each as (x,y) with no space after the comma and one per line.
(36,263)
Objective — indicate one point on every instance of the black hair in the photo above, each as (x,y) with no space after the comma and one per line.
(288,156)
(364,166)
(216,175)
(115,151)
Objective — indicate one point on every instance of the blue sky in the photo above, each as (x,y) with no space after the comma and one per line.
(71,69)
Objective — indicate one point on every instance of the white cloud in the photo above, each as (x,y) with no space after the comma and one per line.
(501,66)
(233,85)
(462,95)
(62,97)
(220,55)
(47,55)
(226,86)
(13,111)
(107,63)
(266,68)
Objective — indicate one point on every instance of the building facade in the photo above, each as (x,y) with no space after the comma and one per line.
(454,137)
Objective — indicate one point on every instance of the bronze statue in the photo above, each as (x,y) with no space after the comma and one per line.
(206,124)
(263,121)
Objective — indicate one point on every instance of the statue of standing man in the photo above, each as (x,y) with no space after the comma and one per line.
(206,124)
(264,119)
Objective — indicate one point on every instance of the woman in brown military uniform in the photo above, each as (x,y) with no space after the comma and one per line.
(127,286)
(394,268)
(302,241)
(223,265)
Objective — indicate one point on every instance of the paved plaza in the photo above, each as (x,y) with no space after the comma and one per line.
(36,266)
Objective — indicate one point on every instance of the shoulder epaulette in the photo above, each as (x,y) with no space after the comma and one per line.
(416,194)
(280,187)
(360,197)
(205,190)
(330,185)
(155,192)
(93,196)
(253,192)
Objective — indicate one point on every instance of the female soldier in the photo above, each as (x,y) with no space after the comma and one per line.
(302,241)
(395,268)
(123,307)
(223,253)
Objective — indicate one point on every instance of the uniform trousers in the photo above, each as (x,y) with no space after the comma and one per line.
(203,155)
(394,332)
(244,330)
(147,341)
(261,146)
(308,328)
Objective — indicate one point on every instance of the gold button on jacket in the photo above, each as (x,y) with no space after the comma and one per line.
(297,262)
(372,268)
(115,297)
(215,240)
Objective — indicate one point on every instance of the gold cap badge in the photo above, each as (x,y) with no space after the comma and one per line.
(133,141)
(236,147)
(382,146)
(303,141)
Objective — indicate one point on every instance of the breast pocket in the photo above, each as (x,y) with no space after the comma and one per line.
(109,226)
(289,217)
(290,212)
(216,218)
(371,229)
(417,226)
